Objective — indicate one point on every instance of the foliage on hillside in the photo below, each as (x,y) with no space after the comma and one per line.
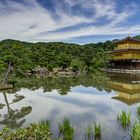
(27,56)
(137,37)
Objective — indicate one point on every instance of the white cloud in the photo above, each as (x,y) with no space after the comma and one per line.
(25,21)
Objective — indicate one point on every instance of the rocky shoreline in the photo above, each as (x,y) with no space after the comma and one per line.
(56,72)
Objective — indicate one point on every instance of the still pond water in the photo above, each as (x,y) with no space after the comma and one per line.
(86,99)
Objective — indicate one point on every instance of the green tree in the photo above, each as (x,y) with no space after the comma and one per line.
(64,60)
(76,65)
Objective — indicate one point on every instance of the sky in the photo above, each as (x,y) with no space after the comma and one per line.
(72,21)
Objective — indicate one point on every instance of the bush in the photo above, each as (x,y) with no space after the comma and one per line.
(32,132)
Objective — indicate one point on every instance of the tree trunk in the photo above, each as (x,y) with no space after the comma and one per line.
(7,73)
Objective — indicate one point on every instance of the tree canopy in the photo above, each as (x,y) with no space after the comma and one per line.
(26,56)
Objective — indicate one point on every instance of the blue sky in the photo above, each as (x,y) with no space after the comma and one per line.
(76,21)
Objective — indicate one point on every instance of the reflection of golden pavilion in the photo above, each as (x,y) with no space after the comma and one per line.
(128,93)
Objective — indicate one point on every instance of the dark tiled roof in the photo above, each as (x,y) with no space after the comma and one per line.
(123,50)
(127,39)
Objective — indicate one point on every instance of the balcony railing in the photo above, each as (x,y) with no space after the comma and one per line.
(127,47)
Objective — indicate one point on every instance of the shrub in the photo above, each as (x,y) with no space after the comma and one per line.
(32,132)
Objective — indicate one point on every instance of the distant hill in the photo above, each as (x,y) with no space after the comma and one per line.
(137,37)
(115,40)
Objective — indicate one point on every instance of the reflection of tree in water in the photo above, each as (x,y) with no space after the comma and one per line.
(63,84)
(14,117)
(1,105)
(64,87)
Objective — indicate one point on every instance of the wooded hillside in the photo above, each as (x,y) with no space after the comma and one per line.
(27,56)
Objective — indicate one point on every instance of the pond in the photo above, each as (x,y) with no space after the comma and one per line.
(86,99)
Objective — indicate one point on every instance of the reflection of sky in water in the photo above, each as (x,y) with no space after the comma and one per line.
(90,90)
(82,105)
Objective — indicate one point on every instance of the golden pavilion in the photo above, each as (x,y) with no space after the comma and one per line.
(126,56)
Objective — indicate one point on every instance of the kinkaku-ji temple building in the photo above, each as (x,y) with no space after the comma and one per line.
(125,57)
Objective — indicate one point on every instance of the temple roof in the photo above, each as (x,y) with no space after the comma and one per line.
(123,50)
(127,101)
(128,38)
(127,88)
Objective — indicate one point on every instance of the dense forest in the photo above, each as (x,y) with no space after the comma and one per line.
(26,56)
